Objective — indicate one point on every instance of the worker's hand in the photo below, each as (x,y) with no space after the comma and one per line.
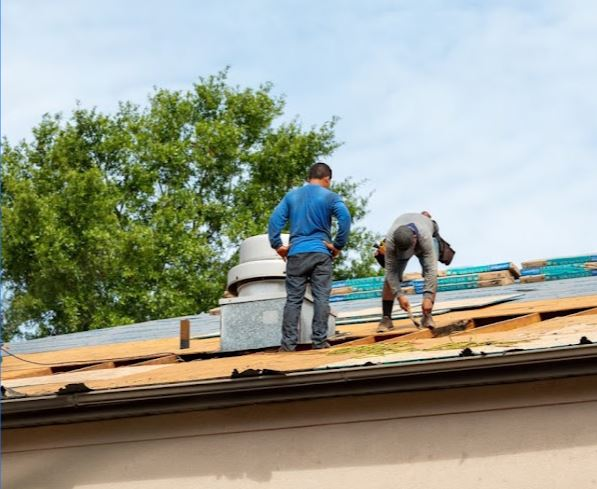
(403,302)
(283,251)
(427,306)
(335,251)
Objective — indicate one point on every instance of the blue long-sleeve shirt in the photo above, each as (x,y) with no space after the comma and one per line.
(310,209)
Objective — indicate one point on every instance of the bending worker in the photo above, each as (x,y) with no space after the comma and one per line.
(410,234)
(310,251)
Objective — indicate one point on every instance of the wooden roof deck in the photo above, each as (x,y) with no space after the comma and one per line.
(492,329)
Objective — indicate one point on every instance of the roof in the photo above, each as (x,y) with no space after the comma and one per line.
(206,325)
(553,322)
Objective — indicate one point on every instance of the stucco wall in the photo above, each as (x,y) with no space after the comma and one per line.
(536,435)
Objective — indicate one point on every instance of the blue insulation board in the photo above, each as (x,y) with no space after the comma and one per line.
(355,295)
(553,269)
(445,287)
(355,282)
(570,259)
(564,275)
(496,267)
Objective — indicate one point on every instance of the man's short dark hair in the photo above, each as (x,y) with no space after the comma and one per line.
(320,170)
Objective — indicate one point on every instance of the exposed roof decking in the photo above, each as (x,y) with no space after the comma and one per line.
(398,346)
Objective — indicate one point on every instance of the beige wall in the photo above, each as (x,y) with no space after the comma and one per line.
(540,435)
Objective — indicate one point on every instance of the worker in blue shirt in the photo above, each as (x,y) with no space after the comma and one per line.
(310,251)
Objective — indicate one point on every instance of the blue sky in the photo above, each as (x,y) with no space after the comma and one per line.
(482,112)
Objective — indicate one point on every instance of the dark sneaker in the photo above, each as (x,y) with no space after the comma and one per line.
(321,346)
(385,324)
(284,348)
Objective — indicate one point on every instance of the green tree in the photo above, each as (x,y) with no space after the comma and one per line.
(112,219)
(358,260)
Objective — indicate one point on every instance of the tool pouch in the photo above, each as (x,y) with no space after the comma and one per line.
(446,252)
(380,254)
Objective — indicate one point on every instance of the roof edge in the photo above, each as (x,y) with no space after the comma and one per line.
(490,369)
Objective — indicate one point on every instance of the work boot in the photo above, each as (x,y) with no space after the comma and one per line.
(428,322)
(385,325)
(284,348)
(321,346)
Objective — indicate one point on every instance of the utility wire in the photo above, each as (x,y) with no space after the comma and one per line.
(98,360)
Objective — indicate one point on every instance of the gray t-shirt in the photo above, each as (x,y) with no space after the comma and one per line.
(424,251)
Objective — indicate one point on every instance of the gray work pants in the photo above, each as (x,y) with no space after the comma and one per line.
(315,268)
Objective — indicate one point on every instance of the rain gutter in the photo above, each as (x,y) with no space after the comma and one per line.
(490,369)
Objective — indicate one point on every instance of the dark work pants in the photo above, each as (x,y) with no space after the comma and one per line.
(316,269)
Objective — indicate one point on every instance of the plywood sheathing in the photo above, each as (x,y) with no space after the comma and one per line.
(77,377)
(571,327)
(560,331)
(143,350)
(13,367)
(195,370)
(554,332)
(506,325)
(505,310)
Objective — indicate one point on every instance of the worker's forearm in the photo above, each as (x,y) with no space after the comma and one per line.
(429,265)
(343,217)
(392,272)
(276,223)
(275,239)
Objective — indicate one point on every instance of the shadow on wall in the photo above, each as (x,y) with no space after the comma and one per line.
(388,438)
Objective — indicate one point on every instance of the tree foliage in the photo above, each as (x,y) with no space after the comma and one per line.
(112,219)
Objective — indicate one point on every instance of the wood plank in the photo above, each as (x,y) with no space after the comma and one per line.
(539,329)
(417,335)
(342,290)
(506,325)
(158,361)
(531,279)
(22,374)
(493,275)
(366,340)
(439,331)
(97,366)
(534,263)
(407,277)
(586,312)
(527,307)
(495,282)
(142,350)
(82,376)
(185,334)
(378,337)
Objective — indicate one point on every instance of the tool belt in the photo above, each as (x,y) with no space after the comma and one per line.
(446,252)
(380,255)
